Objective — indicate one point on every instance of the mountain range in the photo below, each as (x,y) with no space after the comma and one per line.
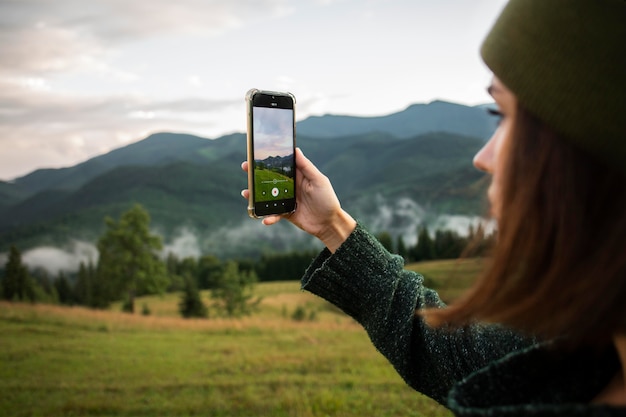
(386,171)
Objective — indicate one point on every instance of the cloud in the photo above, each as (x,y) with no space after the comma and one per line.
(403,216)
(107,72)
(462,224)
(53,260)
(59,129)
(400,217)
(250,238)
(54,55)
(42,36)
(185,244)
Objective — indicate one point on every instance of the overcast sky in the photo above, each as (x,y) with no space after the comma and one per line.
(78,78)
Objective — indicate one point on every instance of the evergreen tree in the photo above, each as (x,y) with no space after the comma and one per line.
(386,240)
(191,304)
(64,289)
(280,267)
(479,242)
(83,289)
(43,287)
(448,244)
(209,271)
(424,249)
(128,262)
(17,284)
(188,266)
(176,281)
(234,293)
(402,249)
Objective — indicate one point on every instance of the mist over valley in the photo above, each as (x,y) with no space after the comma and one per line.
(392,173)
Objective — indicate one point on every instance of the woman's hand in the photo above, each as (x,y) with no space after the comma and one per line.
(318,210)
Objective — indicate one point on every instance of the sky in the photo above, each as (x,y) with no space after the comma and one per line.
(78,79)
(273,132)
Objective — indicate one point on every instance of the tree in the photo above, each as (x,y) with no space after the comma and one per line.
(83,289)
(233,295)
(424,249)
(209,271)
(182,268)
(448,244)
(128,262)
(401,248)
(17,284)
(64,289)
(386,240)
(280,266)
(43,286)
(479,241)
(191,304)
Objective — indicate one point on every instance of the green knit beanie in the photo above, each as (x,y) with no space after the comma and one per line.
(565,60)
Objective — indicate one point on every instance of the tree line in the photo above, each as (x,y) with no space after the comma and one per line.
(129,266)
(446,244)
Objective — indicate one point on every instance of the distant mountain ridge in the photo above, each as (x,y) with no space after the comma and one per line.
(190,182)
(155,149)
(417,119)
(276,160)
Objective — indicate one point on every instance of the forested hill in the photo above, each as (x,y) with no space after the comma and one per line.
(191,183)
(437,116)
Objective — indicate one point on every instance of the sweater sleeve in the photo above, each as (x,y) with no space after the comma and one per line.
(372,286)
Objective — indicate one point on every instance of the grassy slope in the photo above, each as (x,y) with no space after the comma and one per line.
(58,361)
(449,277)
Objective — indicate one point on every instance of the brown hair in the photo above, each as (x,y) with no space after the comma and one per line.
(559,265)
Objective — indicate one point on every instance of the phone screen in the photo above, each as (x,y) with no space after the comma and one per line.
(273,146)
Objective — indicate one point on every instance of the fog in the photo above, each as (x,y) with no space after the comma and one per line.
(403,216)
(184,244)
(54,260)
(250,238)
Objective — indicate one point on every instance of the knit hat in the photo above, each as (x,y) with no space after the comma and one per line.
(566,63)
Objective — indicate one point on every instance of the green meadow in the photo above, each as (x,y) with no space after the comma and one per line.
(265,180)
(70,361)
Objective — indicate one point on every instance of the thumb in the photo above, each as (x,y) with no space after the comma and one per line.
(304,165)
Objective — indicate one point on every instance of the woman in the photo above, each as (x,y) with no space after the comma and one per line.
(543,331)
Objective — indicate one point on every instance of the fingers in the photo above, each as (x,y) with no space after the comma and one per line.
(245,193)
(270,220)
(305,166)
(302,162)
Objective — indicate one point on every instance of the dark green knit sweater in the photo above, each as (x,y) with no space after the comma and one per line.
(482,370)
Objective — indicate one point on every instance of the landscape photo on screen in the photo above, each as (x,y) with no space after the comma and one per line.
(273,154)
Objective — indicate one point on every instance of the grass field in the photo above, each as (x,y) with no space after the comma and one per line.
(264,180)
(60,361)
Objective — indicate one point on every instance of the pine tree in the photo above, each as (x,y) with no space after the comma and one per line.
(83,289)
(386,240)
(402,250)
(448,244)
(425,248)
(64,289)
(209,271)
(17,284)
(191,304)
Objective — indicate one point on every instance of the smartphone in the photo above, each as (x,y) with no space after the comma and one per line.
(271,152)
